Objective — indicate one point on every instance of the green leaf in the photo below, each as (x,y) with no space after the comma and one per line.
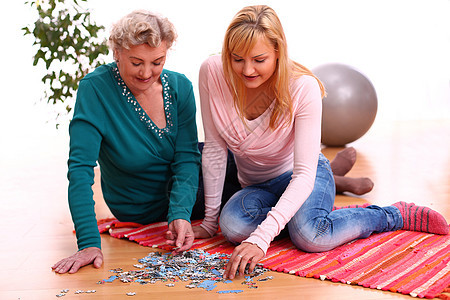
(65,36)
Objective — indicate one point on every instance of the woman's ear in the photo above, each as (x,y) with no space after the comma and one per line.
(277,53)
(116,55)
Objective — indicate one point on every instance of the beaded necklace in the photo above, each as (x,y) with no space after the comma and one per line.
(142,115)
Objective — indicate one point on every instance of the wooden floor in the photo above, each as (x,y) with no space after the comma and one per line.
(408,161)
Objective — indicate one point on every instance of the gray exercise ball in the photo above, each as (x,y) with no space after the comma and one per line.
(350,107)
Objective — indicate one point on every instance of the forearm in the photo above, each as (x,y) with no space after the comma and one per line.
(85,140)
(186,164)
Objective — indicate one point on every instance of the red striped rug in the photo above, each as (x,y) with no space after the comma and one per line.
(407,262)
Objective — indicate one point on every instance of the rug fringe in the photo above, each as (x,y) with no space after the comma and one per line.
(445,297)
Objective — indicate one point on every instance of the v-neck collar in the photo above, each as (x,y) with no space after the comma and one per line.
(142,115)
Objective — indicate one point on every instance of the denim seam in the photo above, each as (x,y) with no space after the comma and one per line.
(318,232)
(244,208)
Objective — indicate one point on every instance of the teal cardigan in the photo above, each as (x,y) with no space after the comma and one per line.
(148,174)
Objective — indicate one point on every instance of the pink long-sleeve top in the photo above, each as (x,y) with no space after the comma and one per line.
(261,153)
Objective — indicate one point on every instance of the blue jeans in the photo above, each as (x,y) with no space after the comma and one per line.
(315,227)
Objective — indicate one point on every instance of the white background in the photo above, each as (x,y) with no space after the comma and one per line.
(402,46)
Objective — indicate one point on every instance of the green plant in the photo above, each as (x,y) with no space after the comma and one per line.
(69,44)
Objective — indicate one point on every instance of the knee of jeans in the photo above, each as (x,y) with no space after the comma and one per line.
(232,231)
(312,239)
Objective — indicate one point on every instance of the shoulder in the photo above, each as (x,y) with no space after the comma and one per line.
(98,82)
(179,88)
(212,64)
(211,72)
(304,82)
(176,80)
(305,85)
(100,74)
(92,90)
(305,89)
(213,61)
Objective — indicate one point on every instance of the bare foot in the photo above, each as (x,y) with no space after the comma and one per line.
(357,186)
(343,161)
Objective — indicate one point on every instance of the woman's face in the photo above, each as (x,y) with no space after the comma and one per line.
(141,65)
(257,66)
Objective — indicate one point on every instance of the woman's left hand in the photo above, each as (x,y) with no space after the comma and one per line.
(243,254)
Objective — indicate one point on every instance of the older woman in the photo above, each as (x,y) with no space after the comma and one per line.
(138,121)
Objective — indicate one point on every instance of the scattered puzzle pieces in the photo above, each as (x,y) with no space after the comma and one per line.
(110,279)
(230,291)
(202,269)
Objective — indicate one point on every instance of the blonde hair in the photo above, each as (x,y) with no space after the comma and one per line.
(248,26)
(141,27)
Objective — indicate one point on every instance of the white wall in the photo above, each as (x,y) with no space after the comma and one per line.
(403,46)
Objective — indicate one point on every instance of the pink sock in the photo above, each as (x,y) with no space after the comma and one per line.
(421,218)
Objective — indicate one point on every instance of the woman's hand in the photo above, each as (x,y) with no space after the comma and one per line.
(180,235)
(80,259)
(200,232)
(243,254)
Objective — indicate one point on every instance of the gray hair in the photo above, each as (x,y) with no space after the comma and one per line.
(141,27)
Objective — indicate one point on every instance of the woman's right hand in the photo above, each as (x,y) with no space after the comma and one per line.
(72,264)
(200,232)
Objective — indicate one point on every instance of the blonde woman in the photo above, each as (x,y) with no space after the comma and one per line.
(266,109)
